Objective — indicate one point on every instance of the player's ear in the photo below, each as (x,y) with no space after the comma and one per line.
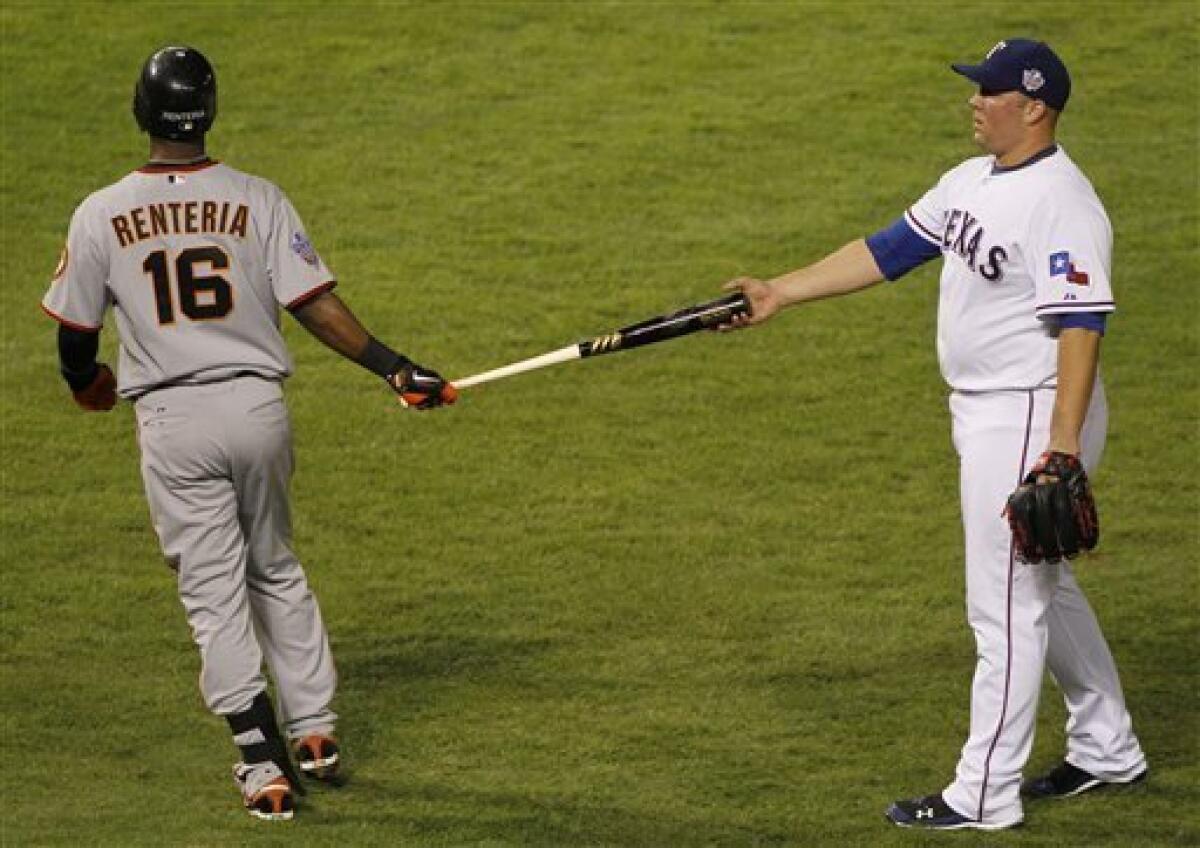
(1035,112)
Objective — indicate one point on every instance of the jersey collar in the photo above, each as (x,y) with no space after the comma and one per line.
(164,168)
(1035,158)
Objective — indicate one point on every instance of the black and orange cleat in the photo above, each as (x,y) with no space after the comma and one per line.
(266,793)
(318,756)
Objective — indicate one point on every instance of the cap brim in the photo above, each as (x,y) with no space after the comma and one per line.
(978,74)
(971,72)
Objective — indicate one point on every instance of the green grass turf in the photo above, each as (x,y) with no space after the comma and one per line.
(709,593)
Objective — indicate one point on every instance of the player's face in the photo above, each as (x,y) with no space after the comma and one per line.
(998,119)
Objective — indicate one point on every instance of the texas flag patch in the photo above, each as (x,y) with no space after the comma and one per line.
(1061,265)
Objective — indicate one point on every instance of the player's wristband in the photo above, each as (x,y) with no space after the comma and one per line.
(80,380)
(77,351)
(380,359)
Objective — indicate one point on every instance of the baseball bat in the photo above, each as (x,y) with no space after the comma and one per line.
(657,329)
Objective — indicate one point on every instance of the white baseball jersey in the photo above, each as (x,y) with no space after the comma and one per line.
(195,261)
(1019,245)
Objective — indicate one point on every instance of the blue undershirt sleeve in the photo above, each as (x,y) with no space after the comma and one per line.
(1094,321)
(899,248)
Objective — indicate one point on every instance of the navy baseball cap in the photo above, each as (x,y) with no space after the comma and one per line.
(1020,64)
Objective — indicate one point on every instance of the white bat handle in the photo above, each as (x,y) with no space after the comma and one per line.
(554,357)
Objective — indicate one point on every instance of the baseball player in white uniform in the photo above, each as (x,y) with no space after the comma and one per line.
(194,260)
(1025,293)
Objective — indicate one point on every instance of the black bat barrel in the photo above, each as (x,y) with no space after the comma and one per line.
(662,327)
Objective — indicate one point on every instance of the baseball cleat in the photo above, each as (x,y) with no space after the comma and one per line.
(1067,781)
(317,756)
(933,813)
(266,793)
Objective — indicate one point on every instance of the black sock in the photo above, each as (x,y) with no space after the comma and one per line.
(257,736)
(255,729)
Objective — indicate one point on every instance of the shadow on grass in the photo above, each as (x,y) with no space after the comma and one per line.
(387,681)
(368,663)
(416,672)
(431,814)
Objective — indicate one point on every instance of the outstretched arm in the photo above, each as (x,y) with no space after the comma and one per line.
(332,322)
(848,269)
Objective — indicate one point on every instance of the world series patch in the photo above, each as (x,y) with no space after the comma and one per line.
(304,249)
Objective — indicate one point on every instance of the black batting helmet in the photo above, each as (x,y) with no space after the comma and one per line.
(176,95)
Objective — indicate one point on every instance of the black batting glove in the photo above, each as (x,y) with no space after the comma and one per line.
(421,388)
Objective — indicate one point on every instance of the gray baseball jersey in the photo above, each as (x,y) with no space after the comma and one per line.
(195,262)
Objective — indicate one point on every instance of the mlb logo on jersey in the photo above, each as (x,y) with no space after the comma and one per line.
(1061,265)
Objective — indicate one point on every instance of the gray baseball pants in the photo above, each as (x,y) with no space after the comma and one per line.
(216,464)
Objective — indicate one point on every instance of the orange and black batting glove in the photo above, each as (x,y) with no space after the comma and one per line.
(99,395)
(420,388)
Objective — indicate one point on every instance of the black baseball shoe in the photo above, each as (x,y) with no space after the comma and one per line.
(1066,781)
(933,813)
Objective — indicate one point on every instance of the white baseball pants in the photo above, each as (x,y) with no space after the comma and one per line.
(216,464)
(1027,617)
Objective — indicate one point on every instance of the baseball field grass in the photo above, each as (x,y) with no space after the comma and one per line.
(708,593)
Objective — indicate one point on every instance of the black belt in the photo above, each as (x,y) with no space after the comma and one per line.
(173,384)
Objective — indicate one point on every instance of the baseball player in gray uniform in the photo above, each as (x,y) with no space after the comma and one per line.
(194,259)
(1025,294)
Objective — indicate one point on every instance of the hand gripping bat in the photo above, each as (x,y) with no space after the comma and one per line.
(660,328)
